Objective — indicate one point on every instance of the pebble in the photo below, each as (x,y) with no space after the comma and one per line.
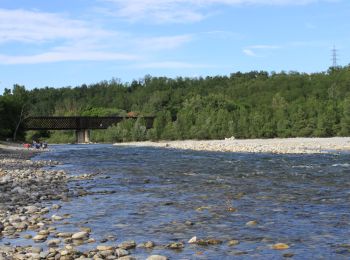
(127,244)
(56,206)
(44,232)
(39,238)
(104,248)
(86,229)
(193,240)
(175,245)
(31,209)
(157,257)
(148,244)
(36,249)
(53,242)
(121,252)
(233,242)
(64,234)
(127,258)
(80,235)
(57,218)
(209,242)
(280,246)
(252,223)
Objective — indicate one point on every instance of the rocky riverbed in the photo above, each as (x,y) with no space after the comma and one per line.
(275,146)
(30,199)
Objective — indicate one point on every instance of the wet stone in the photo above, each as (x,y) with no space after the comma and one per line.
(53,242)
(80,235)
(157,257)
(288,255)
(64,235)
(148,244)
(127,258)
(103,240)
(252,223)
(193,240)
(104,248)
(121,252)
(233,242)
(39,238)
(280,246)
(127,245)
(175,245)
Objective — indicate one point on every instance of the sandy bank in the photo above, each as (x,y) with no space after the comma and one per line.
(279,146)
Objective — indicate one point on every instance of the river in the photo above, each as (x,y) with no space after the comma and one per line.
(167,195)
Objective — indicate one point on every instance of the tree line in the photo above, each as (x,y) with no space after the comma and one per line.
(256,104)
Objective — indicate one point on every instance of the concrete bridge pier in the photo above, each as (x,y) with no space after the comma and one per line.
(82,136)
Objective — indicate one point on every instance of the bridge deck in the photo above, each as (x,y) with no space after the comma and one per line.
(78,122)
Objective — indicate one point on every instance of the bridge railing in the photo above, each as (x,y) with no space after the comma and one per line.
(78,122)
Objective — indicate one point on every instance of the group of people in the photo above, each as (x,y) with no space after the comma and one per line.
(36,145)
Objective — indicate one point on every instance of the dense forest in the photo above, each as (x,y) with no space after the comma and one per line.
(243,105)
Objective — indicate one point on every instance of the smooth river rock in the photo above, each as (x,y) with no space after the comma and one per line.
(80,235)
(157,257)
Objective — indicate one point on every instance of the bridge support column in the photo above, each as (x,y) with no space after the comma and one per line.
(82,136)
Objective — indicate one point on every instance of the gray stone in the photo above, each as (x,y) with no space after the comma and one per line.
(127,258)
(31,209)
(53,242)
(157,257)
(127,244)
(121,252)
(80,235)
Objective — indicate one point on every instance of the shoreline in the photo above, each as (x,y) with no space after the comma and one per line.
(274,146)
(30,201)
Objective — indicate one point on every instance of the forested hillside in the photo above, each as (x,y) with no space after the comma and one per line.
(243,105)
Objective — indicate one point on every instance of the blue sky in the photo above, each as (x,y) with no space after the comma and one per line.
(59,43)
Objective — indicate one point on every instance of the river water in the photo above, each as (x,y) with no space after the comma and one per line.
(167,195)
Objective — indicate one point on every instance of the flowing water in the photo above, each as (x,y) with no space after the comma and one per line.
(168,195)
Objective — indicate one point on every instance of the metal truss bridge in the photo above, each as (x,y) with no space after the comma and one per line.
(81,124)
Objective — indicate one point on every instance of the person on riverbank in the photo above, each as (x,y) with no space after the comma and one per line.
(26,145)
(44,145)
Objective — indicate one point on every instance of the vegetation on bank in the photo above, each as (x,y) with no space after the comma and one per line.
(244,105)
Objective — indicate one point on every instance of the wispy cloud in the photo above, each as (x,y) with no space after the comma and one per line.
(60,38)
(259,50)
(249,52)
(49,57)
(39,27)
(183,11)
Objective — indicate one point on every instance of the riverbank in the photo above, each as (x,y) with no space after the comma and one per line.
(276,146)
(30,202)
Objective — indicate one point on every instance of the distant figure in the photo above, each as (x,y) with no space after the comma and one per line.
(36,145)
(44,145)
(26,145)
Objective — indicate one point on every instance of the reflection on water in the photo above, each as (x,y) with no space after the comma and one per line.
(168,195)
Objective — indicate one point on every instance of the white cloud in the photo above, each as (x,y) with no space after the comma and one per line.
(249,52)
(182,11)
(49,57)
(60,38)
(259,50)
(39,27)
